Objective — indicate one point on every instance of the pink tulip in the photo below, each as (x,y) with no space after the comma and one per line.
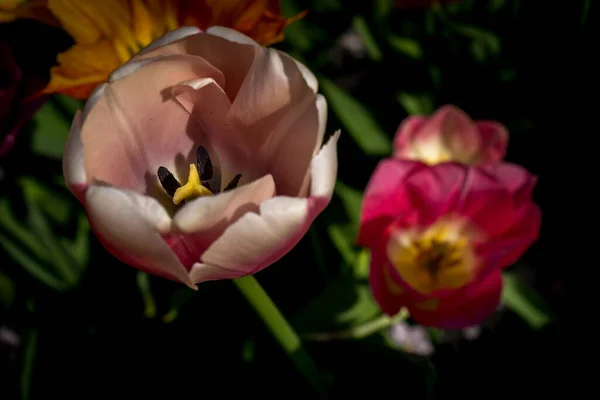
(450,135)
(200,158)
(440,235)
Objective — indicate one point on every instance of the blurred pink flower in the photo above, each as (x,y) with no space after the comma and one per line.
(15,86)
(440,235)
(450,135)
(241,124)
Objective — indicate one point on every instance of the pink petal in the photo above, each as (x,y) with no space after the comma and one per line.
(505,250)
(451,128)
(469,307)
(385,198)
(200,222)
(494,139)
(298,138)
(73,169)
(405,135)
(170,37)
(437,190)
(256,241)
(231,35)
(129,225)
(130,132)
(277,111)
(208,105)
(390,301)
(233,59)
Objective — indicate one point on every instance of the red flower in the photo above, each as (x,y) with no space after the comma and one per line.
(450,135)
(439,236)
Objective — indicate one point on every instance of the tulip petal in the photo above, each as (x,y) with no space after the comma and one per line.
(405,135)
(384,198)
(438,190)
(265,90)
(494,137)
(208,104)
(170,37)
(73,156)
(96,94)
(309,77)
(296,137)
(231,34)
(202,272)
(231,58)
(222,209)
(258,240)
(128,225)
(129,132)
(277,111)
(469,306)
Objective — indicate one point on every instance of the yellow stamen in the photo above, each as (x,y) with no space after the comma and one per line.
(192,189)
(435,259)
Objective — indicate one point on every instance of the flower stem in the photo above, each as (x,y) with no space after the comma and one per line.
(281,330)
(358,332)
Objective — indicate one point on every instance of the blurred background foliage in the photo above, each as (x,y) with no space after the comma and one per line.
(76,323)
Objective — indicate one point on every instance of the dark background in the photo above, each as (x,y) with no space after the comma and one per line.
(527,64)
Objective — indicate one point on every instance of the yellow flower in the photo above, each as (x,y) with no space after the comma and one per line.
(107,33)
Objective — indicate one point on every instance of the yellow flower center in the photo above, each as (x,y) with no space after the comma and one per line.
(192,189)
(435,259)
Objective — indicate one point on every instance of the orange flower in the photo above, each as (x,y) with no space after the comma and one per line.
(107,33)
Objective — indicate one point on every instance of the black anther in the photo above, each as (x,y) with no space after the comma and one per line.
(205,168)
(234,182)
(168,181)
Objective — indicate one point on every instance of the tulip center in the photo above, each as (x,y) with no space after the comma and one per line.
(437,258)
(198,183)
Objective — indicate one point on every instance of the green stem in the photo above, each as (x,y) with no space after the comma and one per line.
(358,332)
(281,330)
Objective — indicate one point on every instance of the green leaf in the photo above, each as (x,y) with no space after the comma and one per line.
(383,8)
(7,290)
(51,129)
(29,241)
(343,236)
(362,29)
(358,120)
(344,303)
(496,5)
(525,302)
(416,104)
(31,341)
(351,199)
(23,258)
(143,283)
(407,46)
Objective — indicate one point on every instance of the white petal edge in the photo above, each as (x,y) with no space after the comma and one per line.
(231,35)
(322,114)
(92,100)
(257,240)
(129,67)
(201,272)
(251,242)
(72,162)
(324,168)
(131,223)
(205,212)
(170,37)
(309,77)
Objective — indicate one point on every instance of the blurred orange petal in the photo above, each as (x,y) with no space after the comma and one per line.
(259,19)
(81,68)
(11,10)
